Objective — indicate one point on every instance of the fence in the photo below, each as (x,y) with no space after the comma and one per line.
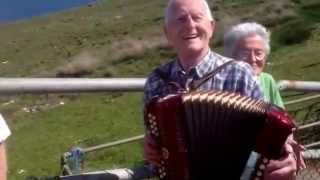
(69,85)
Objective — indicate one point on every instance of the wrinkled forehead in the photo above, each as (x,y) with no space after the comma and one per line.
(253,41)
(178,7)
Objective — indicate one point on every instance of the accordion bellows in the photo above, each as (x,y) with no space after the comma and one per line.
(202,135)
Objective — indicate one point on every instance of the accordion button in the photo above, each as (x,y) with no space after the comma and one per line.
(265,160)
(262,167)
(162,176)
(259,173)
(165,153)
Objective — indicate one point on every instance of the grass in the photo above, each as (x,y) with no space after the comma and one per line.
(81,122)
(121,38)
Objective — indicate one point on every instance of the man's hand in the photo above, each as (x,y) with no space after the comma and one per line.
(297,149)
(287,166)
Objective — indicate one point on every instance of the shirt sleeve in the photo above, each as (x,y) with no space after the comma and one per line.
(151,87)
(4,130)
(276,97)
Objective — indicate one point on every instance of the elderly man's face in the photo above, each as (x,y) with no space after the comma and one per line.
(189,28)
(251,49)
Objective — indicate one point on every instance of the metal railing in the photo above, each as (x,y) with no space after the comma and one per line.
(305,86)
(10,86)
(67,85)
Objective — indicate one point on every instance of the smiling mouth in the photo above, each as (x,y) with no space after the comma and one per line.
(192,36)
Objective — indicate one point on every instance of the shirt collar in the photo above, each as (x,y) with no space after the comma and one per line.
(201,69)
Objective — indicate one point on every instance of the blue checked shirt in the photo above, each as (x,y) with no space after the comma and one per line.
(235,77)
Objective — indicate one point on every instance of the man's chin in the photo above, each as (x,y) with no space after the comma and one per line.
(193,48)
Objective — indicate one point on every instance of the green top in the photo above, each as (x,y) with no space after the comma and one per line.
(270,90)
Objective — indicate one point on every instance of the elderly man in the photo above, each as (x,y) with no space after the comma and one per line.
(189,26)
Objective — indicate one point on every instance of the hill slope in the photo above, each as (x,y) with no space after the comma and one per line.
(121,38)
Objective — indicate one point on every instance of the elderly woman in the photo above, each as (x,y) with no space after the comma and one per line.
(249,42)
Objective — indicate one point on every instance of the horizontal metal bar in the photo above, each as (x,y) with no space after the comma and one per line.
(305,86)
(314,124)
(112,144)
(312,145)
(119,174)
(302,99)
(68,85)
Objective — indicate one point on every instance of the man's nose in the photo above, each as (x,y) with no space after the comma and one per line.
(190,22)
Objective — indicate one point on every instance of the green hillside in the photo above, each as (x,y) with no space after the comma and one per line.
(121,38)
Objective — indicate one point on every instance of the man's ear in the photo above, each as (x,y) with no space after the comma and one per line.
(213,26)
(166,34)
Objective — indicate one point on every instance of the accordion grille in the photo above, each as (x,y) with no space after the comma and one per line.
(219,124)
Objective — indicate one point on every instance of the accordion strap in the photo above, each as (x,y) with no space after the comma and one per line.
(167,80)
(195,84)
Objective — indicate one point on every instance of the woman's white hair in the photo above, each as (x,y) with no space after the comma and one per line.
(242,30)
(168,10)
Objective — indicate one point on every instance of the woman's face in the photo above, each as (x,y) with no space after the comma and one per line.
(252,50)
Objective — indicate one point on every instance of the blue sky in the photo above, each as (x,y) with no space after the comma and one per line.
(11,10)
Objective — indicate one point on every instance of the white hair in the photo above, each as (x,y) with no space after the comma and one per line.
(242,30)
(172,2)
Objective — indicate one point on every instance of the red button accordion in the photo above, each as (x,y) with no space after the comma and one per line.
(207,134)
